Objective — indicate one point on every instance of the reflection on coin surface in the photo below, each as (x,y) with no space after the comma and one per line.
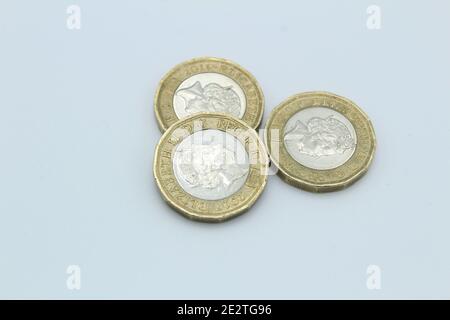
(208,85)
(210,166)
(320,141)
(209,92)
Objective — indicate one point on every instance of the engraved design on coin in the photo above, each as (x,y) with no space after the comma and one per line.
(211,98)
(211,164)
(320,138)
(209,92)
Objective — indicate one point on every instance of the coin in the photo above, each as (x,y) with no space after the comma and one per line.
(320,141)
(210,166)
(208,85)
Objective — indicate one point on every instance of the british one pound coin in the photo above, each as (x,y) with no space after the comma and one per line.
(208,85)
(320,141)
(210,166)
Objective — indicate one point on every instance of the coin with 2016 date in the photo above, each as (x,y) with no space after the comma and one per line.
(208,85)
(320,141)
(210,166)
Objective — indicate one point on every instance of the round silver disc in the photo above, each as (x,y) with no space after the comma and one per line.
(211,164)
(320,138)
(209,92)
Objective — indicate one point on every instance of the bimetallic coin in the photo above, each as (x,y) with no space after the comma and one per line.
(320,141)
(210,166)
(208,85)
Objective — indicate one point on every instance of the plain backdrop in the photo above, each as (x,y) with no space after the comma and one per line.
(77,138)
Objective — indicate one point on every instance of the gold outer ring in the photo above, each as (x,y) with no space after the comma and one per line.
(163,100)
(210,210)
(320,180)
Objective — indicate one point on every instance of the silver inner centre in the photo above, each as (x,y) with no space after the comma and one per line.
(209,92)
(320,138)
(211,164)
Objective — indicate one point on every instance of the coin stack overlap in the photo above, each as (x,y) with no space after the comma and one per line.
(210,164)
